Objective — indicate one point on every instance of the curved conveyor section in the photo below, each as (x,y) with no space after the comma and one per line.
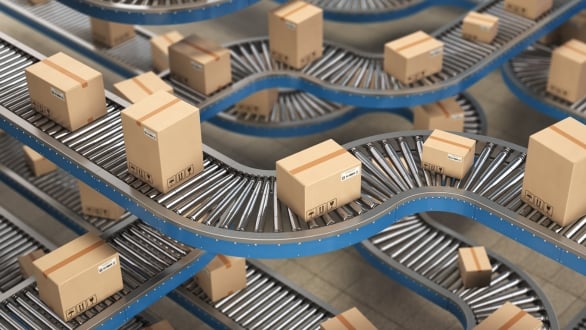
(579,322)
(423,254)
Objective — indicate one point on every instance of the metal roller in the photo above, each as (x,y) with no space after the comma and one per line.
(579,322)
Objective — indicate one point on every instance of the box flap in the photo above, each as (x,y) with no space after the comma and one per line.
(297,11)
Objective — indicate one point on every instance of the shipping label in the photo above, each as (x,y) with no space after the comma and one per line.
(81,307)
(436,52)
(349,173)
(106,265)
(433,168)
(455,158)
(57,93)
(140,173)
(180,176)
(196,66)
(538,203)
(322,209)
(457,116)
(150,133)
(290,25)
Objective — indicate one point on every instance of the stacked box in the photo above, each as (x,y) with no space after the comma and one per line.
(474,265)
(509,317)
(567,71)
(110,34)
(260,103)
(574,28)
(38,164)
(223,276)
(350,319)
(95,204)
(480,27)
(160,49)
(446,115)
(448,154)
(141,86)
(26,262)
(531,9)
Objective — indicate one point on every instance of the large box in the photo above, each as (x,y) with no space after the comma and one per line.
(574,28)
(446,115)
(78,275)
(161,325)
(160,49)
(141,86)
(318,179)
(95,204)
(555,171)
(296,33)
(509,317)
(531,9)
(25,262)
(66,90)
(38,164)
(223,276)
(413,57)
(567,71)
(200,64)
(480,27)
(350,319)
(260,103)
(170,130)
(448,154)
(474,265)
(110,34)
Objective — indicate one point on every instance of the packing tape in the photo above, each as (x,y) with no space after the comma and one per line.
(318,161)
(157,111)
(475,258)
(224,260)
(345,322)
(443,109)
(413,43)
(168,39)
(66,72)
(568,136)
(482,17)
(142,86)
(448,141)
(294,10)
(513,320)
(201,49)
(569,46)
(72,257)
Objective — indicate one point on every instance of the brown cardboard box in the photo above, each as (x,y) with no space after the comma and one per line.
(223,276)
(318,179)
(446,115)
(66,90)
(161,325)
(38,2)
(567,71)
(38,164)
(480,27)
(413,57)
(141,86)
(449,154)
(555,171)
(260,103)
(200,64)
(26,262)
(574,28)
(296,33)
(509,317)
(170,130)
(110,34)
(160,49)
(350,319)
(531,9)
(95,204)
(475,268)
(78,275)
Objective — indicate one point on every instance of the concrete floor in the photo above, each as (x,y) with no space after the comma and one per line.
(342,278)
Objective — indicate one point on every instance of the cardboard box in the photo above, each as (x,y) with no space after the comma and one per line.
(480,27)
(509,317)
(170,130)
(531,9)
(94,204)
(350,319)
(555,171)
(474,265)
(446,115)
(567,71)
(222,277)
(141,86)
(38,164)
(318,179)
(574,28)
(161,325)
(296,33)
(37,2)
(110,34)
(260,103)
(413,57)
(160,49)
(26,262)
(78,275)
(66,90)
(200,64)
(447,153)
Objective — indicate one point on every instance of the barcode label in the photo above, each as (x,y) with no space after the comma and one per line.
(436,52)
(196,66)
(151,134)
(457,116)
(455,158)
(57,93)
(106,265)
(349,173)
(291,25)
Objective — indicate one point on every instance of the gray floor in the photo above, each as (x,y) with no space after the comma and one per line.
(342,278)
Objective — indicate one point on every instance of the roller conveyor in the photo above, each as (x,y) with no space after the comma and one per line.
(579,322)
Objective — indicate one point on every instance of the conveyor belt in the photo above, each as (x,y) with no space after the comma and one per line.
(579,322)
(423,254)
(526,76)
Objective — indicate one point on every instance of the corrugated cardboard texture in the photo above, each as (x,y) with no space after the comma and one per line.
(38,164)
(97,205)
(260,103)
(474,265)
(26,262)
(223,276)
(446,115)
(480,27)
(509,317)
(567,71)
(160,49)
(110,34)
(350,319)
(531,9)
(448,154)
(141,86)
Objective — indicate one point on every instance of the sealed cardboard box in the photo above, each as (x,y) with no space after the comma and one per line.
(474,265)
(141,86)
(260,103)
(531,9)
(66,90)
(413,57)
(480,27)
(449,154)
(38,164)
(26,262)
(446,115)
(318,179)
(223,276)
(509,317)
(555,171)
(160,49)
(296,33)
(574,28)
(567,71)
(78,275)
(161,325)
(110,34)
(350,319)
(170,130)
(95,204)
(200,64)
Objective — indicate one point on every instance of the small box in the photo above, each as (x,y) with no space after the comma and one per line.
(567,71)
(66,90)
(318,179)
(509,317)
(531,9)
(141,86)
(413,57)
(200,64)
(223,276)
(110,34)
(170,130)
(260,103)
(160,49)
(26,262)
(475,268)
(480,27)
(555,171)
(161,325)
(446,115)
(449,154)
(94,204)
(38,164)
(78,275)
(574,28)
(350,319)
(296,33)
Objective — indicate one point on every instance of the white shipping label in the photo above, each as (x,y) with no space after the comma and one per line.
(196,66)
(290,25)
(150,134)
(485,27)
(457,116)
(455,158)
(57,93)
(349,173)
(436,52)
(106,265)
